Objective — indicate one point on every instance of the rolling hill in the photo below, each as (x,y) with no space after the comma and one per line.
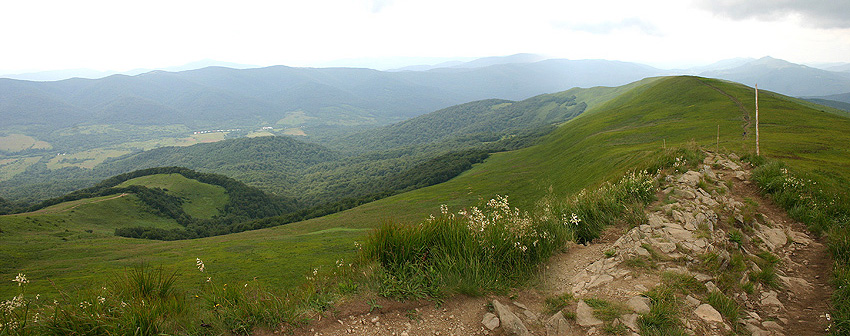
(623,129)
(314,172)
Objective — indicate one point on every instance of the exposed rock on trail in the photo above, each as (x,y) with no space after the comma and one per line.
(736,262)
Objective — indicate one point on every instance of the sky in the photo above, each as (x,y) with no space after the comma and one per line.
(40,35)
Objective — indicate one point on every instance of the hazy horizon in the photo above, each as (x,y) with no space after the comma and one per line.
(118,36)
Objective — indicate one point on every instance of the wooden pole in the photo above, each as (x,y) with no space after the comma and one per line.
(718,139)
(757,120)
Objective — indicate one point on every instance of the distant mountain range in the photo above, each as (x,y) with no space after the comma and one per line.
(322,97)
(322,101)
(477,63)
(55,75)
(785,77)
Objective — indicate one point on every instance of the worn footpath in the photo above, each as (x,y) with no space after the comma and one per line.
(710,236)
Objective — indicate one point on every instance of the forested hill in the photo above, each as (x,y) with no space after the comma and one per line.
(257,160)
(483,118)
(316,174)
(243,203)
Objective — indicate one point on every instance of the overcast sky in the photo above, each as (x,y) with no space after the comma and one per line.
(120,35)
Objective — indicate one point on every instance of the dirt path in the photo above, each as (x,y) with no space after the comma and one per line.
(805,304)
(745,113)
(604,270)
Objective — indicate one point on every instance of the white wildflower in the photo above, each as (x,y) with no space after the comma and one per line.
(200,264)
(574,219)
(21,279)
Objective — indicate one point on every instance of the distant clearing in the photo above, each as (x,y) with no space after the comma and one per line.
(294,131)
(209,137)
(12,167)
(14,143)
(87,159)
(256,134)
(295,118)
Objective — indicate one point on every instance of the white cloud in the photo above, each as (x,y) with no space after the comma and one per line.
(119,35)
(814,13)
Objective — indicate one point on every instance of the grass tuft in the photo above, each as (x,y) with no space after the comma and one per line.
(724,305)
(663,316)
(557,303)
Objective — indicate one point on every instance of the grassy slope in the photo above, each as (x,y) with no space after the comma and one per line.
(201,200)
(609,139)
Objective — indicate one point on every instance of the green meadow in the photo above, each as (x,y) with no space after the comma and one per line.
(623,129)
(201,200)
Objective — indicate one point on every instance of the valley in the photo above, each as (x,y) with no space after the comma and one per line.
(551,146)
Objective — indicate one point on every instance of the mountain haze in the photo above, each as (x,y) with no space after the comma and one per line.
(785,77)
(216,95)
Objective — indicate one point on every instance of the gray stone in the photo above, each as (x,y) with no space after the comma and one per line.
(686,219)
(666,247)
(708,201)
(730,165)
(692,301)
(638,304)
(596,267)
(702,277)
(680,234)
(490,321)
(708,313)
(772,325)
(797,285)
(510,322)
(599,280)
(557,325)
(630,321)
(642,252)
(530,315)
(684,193)
(690,178)
(711,287)
(756,331)
(774,238)
(770,299)
(707,172)
(584,315)
(655,221)
(800,238)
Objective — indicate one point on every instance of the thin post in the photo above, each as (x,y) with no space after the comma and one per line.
(664,143)
(757,120)
(718,138)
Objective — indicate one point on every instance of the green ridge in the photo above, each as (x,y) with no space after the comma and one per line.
(612,137)
(201,200)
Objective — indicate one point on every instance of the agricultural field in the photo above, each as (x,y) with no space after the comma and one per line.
(13,143)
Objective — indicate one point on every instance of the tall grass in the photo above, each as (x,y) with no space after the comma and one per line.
(149,301)
(824,213)
(493,246)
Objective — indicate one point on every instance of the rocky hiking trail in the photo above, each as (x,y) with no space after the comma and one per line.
(710,231)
